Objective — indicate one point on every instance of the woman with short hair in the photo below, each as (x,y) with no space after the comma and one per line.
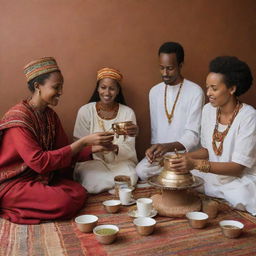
(227,159)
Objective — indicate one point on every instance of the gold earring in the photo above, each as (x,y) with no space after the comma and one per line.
(39,92)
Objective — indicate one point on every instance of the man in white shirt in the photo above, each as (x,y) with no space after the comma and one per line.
(175,111)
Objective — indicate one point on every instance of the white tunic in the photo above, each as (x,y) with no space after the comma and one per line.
(98,175)
(239,146)
(185,125)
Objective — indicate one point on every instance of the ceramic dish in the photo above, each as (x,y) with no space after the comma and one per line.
(105,237)
(197,219)
(113,192)
(112,206)
(133,201)
(231,228)
(134,213)
(86,223)
(144,225)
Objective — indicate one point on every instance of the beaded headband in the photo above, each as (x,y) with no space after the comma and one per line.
(41,66)
(109,73)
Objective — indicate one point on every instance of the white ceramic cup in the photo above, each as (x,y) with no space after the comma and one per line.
(119,184)
(125,195)
(144,206)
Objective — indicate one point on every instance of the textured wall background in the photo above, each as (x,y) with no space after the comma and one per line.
(85,35)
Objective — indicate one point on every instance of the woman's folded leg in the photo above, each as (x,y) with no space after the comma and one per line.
(30,202)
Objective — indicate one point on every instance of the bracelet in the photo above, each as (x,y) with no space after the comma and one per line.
(203,166)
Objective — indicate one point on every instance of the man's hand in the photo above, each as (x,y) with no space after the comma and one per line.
(156,151)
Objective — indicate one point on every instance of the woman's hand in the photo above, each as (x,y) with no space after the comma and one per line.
(99,138)
(131,130)
(97,148)
(183,163)
(112,147)
(102,139)
(107,148)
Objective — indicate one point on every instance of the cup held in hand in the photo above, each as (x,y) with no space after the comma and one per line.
(119,127)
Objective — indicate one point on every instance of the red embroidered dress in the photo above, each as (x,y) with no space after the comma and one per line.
(34,158)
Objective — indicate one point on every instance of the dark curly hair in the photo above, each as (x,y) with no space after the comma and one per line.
(39,79)
(119,97)
(235,72)
(172,47)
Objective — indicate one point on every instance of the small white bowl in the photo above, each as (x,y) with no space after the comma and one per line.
(86,223)
(112,206)
(231,228)
(106,238)
(197,219)
(145,225)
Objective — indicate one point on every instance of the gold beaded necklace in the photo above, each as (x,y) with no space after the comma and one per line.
(107,112)
(218,136)
(170,116)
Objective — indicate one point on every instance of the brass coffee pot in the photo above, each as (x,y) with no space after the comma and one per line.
(171,178)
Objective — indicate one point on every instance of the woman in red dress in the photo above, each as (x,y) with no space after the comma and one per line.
(35,157)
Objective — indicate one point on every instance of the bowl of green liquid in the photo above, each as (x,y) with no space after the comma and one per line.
(106,234)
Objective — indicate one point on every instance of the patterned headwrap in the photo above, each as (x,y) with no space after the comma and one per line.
(41,66)
(109,73)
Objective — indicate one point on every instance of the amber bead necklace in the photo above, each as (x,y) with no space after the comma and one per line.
(220,136)
(170,116)
(107,112)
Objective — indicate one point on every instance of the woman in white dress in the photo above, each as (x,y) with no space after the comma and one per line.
(227,159)
(107,106)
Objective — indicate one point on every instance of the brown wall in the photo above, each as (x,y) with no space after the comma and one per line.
(85,35)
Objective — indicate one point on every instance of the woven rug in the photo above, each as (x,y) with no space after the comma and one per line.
(172,236)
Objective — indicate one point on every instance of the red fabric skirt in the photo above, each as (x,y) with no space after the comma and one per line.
(30,202)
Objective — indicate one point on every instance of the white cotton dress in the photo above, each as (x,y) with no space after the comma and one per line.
(185,125)
(97,175)
(239,146)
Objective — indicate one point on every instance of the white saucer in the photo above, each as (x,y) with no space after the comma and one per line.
(112,191)
(134,213)
(133,201)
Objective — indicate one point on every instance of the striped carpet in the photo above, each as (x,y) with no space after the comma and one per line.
(171,236)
